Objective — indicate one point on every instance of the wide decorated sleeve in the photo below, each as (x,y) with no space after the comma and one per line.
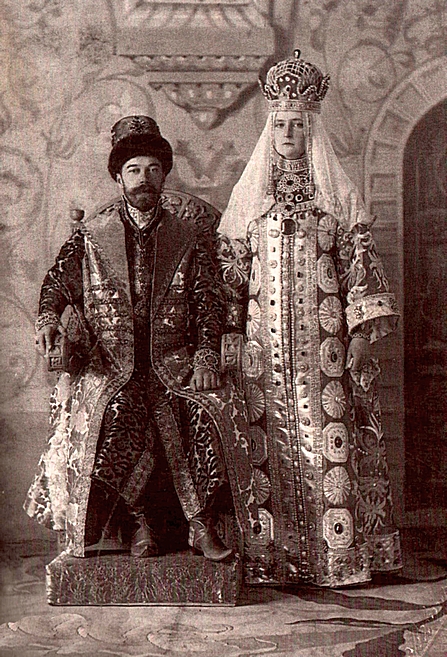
(62,286)
(206,299)
(371,309)
(234,257)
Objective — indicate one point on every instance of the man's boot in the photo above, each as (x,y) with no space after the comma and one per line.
(203,538)
(102,514)
(144,539)
(110,541)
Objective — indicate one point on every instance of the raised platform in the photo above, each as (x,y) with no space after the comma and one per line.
(119,579)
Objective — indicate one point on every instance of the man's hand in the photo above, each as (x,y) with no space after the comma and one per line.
(45,338)
(359,353)
(204,379)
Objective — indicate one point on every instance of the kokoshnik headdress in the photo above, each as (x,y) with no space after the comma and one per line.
(293,85)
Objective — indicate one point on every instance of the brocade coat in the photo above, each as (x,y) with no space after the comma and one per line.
(180,323)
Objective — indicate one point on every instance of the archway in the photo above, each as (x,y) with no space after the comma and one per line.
(425,303)
(410,101)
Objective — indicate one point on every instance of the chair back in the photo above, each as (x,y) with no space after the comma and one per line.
(191,208)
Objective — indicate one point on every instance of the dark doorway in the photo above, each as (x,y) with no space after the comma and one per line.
(425,284)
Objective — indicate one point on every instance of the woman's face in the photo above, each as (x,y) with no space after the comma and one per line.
(288,134)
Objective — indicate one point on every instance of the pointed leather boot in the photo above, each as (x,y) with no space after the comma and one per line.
(204,539)
(144,540)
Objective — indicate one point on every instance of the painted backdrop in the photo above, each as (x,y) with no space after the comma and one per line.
(71,69)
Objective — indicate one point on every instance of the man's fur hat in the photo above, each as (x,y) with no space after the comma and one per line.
(138,135)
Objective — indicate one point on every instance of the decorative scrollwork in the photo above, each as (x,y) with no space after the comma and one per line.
(192,209)
(20,184)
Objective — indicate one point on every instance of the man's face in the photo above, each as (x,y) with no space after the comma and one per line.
(288,134)
(141,181)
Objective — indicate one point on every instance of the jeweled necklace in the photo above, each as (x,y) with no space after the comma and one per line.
(294,192)
(291,165)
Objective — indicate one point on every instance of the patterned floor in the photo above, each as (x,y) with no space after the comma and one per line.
(398,616)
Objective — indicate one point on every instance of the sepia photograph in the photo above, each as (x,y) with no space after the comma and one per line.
(223,331)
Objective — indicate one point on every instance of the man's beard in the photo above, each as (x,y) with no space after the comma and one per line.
(145,197)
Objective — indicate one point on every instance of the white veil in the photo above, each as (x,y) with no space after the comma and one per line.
(249,198)
(335,194)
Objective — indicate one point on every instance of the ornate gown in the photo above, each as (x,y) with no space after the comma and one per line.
(317,442)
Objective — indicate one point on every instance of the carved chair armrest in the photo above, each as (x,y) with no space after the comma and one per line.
(232,352)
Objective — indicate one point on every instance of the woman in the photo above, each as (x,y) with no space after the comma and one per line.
(318,298)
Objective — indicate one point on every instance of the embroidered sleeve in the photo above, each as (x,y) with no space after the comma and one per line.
(63,283)
(206,298)
(234,258)
(207,358)
(370,307)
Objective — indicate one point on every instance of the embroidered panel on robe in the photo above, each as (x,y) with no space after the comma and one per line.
(317,442)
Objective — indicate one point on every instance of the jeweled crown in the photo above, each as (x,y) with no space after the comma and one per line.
(294,84)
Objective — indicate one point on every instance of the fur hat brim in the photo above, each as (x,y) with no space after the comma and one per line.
(135,145)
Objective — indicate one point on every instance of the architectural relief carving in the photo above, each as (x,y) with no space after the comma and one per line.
(205,86)
(197,63)
(240,14)
(216,50)
(411,99)
(199,28)
(203,102)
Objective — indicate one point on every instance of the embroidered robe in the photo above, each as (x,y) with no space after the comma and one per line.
(180,322)
(317,441)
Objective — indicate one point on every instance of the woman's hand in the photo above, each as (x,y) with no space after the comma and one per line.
(359,353)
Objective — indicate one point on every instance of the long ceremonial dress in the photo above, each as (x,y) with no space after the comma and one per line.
(318,449)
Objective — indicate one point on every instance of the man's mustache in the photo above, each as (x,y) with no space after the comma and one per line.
(145,188)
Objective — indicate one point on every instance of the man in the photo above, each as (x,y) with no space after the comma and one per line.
(317,298)
(149,319)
